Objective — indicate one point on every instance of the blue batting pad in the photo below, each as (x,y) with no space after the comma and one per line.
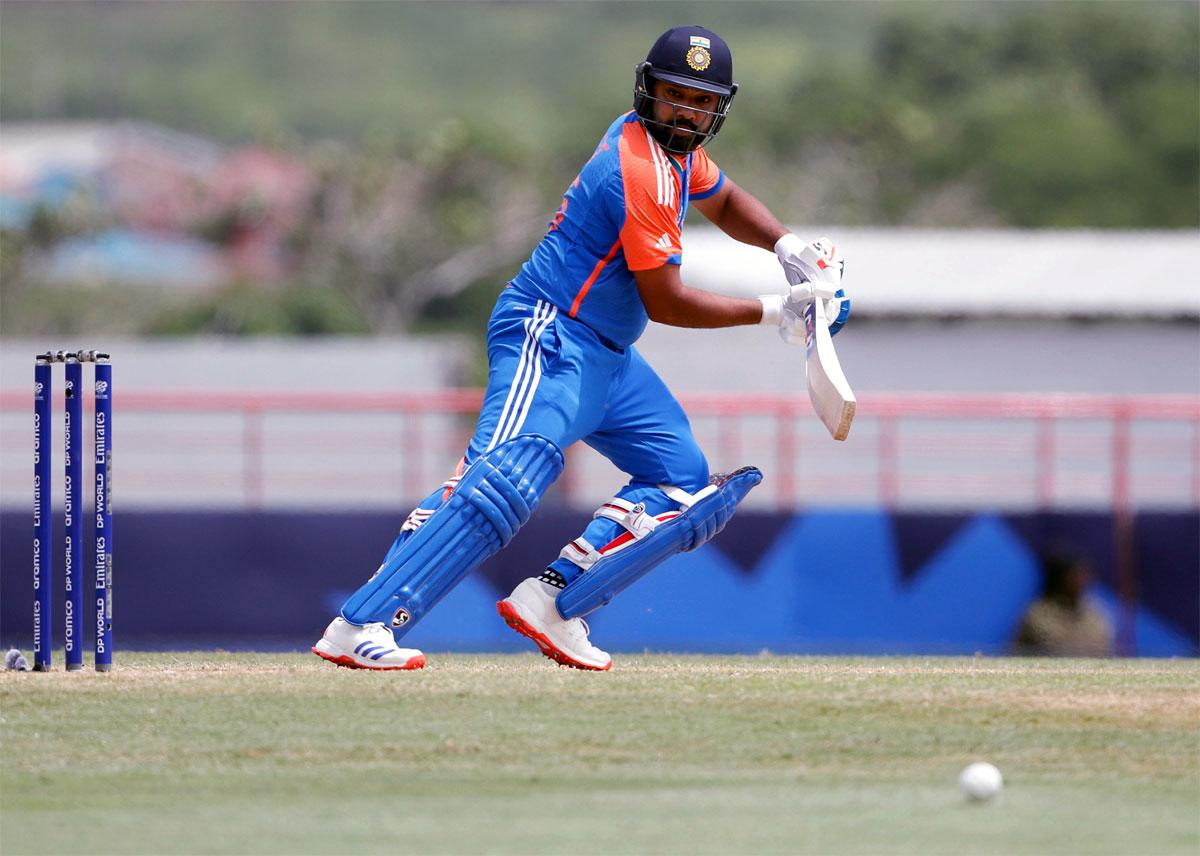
(493,499)
(612,574)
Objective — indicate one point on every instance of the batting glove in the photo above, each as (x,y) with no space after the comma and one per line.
(817,262)
(786,311)
(837,311)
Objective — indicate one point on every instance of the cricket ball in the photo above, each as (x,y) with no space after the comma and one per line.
(980,781)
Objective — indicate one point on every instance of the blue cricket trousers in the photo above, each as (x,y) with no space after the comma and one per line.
(554,376)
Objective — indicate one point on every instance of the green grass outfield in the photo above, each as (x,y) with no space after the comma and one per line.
(282,753)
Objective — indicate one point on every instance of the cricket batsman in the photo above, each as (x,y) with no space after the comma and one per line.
(563,367)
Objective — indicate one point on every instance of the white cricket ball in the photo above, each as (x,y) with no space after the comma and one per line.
(980,781)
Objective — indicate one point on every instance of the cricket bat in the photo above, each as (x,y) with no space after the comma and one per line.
(831,395)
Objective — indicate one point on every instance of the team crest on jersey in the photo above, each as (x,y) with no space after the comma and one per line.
(699,58)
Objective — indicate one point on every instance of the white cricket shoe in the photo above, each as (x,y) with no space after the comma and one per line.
(369,646)
(530,610)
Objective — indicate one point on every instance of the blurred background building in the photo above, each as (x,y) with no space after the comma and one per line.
(288,223)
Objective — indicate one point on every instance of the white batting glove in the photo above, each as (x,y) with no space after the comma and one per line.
(817,262)
(786,311)
(814,268)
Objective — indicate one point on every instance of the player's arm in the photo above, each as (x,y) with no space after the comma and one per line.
(669,301)
(741,216)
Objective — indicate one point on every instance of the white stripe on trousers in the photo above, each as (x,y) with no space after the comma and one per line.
(529,373)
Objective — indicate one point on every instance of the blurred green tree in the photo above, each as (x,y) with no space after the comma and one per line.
(443,133)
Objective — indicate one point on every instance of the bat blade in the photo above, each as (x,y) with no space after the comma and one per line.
(830,393)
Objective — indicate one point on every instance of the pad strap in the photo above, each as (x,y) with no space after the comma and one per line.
(580,552)
(632,516)
(416,518)
(685,499)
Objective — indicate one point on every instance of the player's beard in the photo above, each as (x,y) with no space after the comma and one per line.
(678,138)
(683,133)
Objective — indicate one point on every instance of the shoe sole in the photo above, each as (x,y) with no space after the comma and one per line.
(514,620)
(417,662)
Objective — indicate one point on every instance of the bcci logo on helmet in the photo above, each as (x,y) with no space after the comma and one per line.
(401,617)
(698,55)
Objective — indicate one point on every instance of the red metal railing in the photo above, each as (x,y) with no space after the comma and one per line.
(905,449)
(1048,412)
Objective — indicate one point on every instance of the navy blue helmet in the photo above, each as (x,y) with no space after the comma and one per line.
(686,56)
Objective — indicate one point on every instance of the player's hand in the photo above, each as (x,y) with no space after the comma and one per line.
(787,311)
(818,262)
(791,325)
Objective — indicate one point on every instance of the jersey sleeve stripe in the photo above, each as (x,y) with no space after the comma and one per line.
(587,284)
(658,170)
(662,171)
(658,174)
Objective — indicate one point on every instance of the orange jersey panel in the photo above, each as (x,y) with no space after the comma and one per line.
(652,179)
(705,175)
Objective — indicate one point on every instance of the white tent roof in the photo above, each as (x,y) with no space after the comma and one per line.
(29,149)
(942,272)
